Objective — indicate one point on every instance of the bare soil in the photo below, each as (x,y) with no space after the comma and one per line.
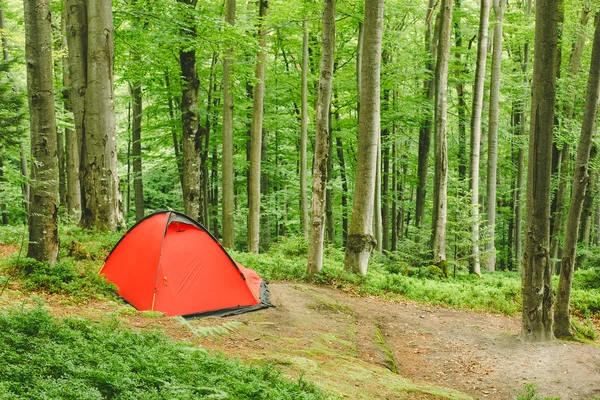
(322,334)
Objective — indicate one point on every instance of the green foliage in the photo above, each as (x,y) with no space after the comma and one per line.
(43,357)
(584,330)
(530,394)
(65,277)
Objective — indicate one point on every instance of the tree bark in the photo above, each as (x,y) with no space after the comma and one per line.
(478,89)
(385,189)
(536,277)
(521,151)
(256,132)
(340,155)
(321,148)
(190,126)
(43,218)
(360,236)
(562,323)
(561,193)
(100,208)
(136,148)
(425,130)
(73,189)
(227,164)
(492,166)
(304,134)
(440,184)
(26,180)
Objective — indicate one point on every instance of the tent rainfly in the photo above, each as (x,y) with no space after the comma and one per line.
(170,263)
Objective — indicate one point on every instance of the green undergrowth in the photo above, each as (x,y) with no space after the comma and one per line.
(398,274)
(42,357)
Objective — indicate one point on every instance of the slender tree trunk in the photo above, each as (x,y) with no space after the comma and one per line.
(586,213)
(5,58)
(227,163)
(176,144)
(521,151)
(304,134)
(100,208)
(73,189)
(256,132)
(425,130)
(440,183)
(478,89)
(385,190)
(190,125)
(377,217)
(77,41)
(329,229)
(463,162)
(562,323)
(265,231)
(537,275)
(340,155)
(499,6)
(26,180)
(321,148)
(43,218)
(561,193)
(360,236)
(136,147)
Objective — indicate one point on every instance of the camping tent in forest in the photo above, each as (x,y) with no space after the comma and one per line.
(170,263)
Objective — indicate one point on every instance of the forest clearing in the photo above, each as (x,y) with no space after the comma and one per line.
(411,176)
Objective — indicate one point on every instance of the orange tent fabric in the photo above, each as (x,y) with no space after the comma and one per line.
(168,262)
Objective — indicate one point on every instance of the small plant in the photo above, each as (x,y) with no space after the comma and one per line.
(530,394)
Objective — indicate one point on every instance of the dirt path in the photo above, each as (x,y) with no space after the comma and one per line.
(351,346)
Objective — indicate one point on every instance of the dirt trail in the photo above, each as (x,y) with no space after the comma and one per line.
(351,345)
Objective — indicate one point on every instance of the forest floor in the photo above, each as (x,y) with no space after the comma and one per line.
(372,348)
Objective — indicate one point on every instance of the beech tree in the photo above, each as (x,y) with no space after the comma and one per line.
(440,183)
(321,147)
(536,320)
(562,322)
(498,6)
(478,89)
(227,162)
(360,240)
(256,132)
(43,218)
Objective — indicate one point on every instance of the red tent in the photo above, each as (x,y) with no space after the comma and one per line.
(168,262)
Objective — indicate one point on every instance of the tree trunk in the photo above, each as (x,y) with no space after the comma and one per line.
(425,130)
(462,104)
(562,323)
(43,218)
(499,6)
(537,275)
(265,231)
(227,162)
(136,147)
(478,89)
(360,236)
(340,154)
(304,134)
(100,208)
(440,184)
(521,151)
(329,229)
(256,132)
(26,179)
(73,189)
(176,145)
(321,148)
(561,193)
(77,41)
(385,189)
(190,126)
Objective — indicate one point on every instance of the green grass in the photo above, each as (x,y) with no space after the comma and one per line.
(42,357)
